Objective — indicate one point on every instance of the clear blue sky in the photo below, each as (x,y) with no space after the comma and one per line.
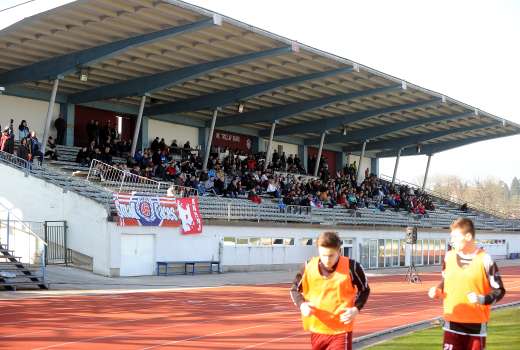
(468,50)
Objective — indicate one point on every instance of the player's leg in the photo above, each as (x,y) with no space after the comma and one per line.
(477,343)
(454,341)
(341,341)
(318,341)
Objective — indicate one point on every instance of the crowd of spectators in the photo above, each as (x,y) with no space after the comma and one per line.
(104,143)
(235,174)
(29,147)
(230,173)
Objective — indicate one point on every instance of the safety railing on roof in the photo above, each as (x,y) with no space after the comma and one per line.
(446,198)
(117,180)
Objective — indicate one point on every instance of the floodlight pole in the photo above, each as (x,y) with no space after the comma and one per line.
(426,172)
(396,165)
(320,150)
(268,155)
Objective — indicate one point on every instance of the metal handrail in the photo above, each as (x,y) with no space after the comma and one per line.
(16,161)
(117,180)
(442,196)
(29,230)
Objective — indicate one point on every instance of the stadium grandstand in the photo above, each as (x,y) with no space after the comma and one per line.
(274,140)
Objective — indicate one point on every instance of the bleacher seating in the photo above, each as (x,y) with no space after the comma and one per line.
(219,208)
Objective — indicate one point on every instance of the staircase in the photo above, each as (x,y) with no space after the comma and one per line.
(22,276)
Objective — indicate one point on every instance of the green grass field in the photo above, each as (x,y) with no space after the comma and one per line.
(503,334)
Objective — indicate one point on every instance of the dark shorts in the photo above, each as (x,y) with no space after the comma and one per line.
(454,341)
(341,341)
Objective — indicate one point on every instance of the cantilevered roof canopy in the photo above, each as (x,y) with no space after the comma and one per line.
(191,60)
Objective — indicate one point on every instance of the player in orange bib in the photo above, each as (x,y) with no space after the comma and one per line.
(471,284)
(330,290)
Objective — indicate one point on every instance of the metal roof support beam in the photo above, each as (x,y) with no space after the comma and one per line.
(268,155)
(396,165)
(404,142)
(224,98)
(50,111)
(426,172)
(70,63)
(320,150)
(334,122)
(284,111)
(210,139)
(445,146)
(376,131)
(361,161)
(138,125)
(159,81)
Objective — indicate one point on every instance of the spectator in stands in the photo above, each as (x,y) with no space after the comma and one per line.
(112,132)
(83,156)
(232,189)
(162,145)
(106,157)
(23,130)
(35,147)
(61,127)
(91,131)
(187,148)
(283,162)
(254,197)
(104,133)
(97,154)
(9,143)
(4,140)
(273,189)
(23,150)
(51,150)
(154,146)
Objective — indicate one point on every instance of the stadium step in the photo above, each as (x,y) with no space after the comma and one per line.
(14,274)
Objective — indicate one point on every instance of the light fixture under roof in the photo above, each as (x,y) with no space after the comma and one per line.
(83,74)
(240,107)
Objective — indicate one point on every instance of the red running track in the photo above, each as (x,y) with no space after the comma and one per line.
(239,317)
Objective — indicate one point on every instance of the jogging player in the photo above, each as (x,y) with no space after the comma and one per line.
(471,284)
(329,291)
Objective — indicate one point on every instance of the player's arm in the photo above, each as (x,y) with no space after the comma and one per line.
(360,280)
(296,288)
(495,282)
(306,308)
(438,291)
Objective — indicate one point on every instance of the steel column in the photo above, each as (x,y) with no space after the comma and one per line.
(138,125)
(426,172)
(361,161)
(396,165)
(318,157)
(50,111)
(210,139)
(269,146)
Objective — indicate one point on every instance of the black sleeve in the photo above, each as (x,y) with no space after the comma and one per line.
(296,288)
(360,281)
(441,284)
(497,286)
